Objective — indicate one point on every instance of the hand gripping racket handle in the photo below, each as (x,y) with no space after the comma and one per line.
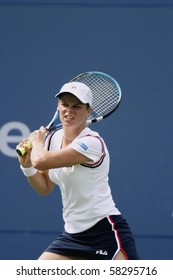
(21,149)
(50,127)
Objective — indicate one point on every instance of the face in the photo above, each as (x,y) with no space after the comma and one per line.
(72,112)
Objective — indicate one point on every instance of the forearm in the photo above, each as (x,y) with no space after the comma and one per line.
(39,181)
(39,156)
(39,184)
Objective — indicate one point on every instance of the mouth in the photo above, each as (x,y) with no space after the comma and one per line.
(68,117)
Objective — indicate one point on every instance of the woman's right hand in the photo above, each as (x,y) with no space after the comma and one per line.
(25,160)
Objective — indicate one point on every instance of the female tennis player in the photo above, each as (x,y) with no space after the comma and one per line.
(78,162)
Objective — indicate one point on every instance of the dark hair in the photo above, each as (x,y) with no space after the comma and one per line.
(61,94)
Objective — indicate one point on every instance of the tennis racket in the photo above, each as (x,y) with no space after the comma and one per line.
(106,94)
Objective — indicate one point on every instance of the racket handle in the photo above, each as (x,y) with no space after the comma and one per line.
(21,149)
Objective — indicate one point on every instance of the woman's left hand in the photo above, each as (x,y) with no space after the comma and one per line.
(38,135)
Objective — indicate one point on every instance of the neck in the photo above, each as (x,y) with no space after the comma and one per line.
(66,141)
(68,138)
(71,133)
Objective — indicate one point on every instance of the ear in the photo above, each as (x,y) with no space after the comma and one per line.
(58,104)
(89,110)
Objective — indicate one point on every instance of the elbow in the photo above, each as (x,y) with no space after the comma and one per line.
(43,193)
(43,190)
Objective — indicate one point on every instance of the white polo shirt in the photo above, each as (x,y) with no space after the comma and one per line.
(86,195)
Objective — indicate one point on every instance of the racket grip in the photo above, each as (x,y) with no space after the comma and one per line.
(21,149)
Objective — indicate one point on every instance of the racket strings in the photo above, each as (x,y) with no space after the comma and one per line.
(106,94)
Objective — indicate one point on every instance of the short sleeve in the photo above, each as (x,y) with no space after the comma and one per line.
(90,146)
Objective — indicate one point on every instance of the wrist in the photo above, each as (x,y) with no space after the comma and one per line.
(28,171)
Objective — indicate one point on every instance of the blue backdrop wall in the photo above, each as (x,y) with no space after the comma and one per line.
(44,44)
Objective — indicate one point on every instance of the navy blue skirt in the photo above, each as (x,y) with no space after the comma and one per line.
(101,242)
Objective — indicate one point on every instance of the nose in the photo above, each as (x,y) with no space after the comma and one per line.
(69,109)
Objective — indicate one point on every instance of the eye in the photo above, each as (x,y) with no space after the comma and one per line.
(77,106)
(64,104)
